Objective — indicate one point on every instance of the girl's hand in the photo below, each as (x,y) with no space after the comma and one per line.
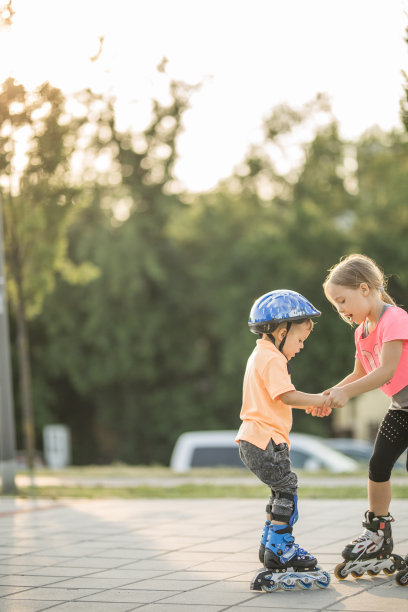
(338,397)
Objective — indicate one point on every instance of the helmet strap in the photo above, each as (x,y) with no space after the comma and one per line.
(271,338)
(288,326)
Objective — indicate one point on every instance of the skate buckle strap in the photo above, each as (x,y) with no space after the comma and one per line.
(292,550)
(289,554)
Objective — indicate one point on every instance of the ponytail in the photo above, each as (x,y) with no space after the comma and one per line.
(386,296)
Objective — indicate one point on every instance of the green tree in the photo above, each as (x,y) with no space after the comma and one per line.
(157,345)
(126,363)
(404,101)
(381,226)
(37,140)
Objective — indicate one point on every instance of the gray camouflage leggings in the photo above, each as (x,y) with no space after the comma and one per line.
(272,466)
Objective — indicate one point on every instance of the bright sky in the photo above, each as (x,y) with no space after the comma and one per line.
(250,55)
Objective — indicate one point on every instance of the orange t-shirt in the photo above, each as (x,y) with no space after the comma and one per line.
(263,414)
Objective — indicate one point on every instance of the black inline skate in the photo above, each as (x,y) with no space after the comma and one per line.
(286,565)
(371,552)
(402,576)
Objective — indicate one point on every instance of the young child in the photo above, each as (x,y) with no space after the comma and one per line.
(357,288)
(283,319)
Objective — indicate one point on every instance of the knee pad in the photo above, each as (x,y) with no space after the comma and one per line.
(285,511)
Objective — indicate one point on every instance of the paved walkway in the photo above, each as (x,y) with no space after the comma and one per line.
(174,555)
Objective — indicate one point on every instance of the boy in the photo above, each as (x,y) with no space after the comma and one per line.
(283,319)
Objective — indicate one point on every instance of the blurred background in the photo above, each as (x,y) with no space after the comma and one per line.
(162,164)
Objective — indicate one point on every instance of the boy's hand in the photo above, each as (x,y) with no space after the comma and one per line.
(321,411)
(324,409)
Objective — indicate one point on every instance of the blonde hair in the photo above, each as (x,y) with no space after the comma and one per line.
(355,269)
(310,323)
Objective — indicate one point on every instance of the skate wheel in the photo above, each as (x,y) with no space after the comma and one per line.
(269,588)
(402,578)
(373,572)
(390,570)
(357,575)
(323,581)
(305,583)
(288,584)
(339,571)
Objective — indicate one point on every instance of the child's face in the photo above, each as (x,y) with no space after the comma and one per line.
(295,339)
(352,304)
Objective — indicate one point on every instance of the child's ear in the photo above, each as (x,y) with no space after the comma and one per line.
(282,333)
(365,289)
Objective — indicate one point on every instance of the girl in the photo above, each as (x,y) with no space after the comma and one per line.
(357,288)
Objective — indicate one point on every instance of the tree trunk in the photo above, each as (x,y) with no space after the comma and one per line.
(25,378)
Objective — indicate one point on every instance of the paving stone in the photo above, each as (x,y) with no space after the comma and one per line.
(132,596)
(52,593)
(158,607)
(10,590)
(8,605)
(92,606)
(27,581)
(97,556)
(91,582)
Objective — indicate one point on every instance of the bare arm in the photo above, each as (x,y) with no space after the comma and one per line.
(390,356)
(298,399)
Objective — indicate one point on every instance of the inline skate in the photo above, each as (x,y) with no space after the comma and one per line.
(402,576)
(264,539)
(286,564)
(371,552)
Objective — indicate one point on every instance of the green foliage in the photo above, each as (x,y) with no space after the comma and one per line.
(38,196)
(404,101)
(157,343)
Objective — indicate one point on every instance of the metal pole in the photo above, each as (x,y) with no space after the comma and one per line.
(7,430)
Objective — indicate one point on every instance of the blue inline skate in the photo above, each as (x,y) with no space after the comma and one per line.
(286,564)
(264,539)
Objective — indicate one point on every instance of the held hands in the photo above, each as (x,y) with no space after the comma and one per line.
(319,411)
(323,410)
(336,397)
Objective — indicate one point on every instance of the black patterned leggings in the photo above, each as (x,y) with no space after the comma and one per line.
(391,441)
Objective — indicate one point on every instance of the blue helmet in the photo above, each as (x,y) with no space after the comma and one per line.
(277,307)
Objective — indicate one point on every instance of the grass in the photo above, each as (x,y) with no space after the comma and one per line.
(195,491)
(198,483)
(122,470)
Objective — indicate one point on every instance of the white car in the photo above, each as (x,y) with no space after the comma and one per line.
(218,448)
(361,450)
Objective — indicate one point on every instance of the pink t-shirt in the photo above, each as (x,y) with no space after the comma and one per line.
(393,325)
